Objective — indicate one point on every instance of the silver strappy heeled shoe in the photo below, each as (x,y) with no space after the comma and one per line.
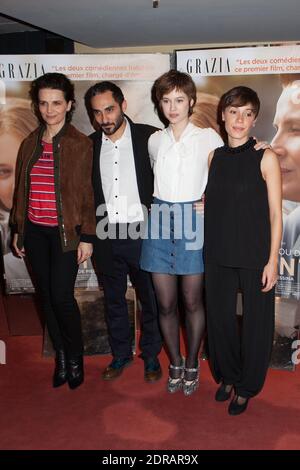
(190,386)
(175,384)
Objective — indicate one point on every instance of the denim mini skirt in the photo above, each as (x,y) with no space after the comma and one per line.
(173,240)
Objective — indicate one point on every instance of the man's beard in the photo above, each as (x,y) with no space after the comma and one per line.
(115,125)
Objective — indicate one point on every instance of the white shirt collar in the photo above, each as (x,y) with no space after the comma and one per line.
(189,130)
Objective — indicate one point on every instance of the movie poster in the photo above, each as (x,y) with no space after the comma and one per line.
(134,73)
(274,73)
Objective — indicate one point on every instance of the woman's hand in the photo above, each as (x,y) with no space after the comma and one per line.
(84,251)
(269,277)
(199,206)
(262,145)
(19,253)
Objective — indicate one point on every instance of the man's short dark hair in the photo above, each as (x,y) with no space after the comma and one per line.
(100,88)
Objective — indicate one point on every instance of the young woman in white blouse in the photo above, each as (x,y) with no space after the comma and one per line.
(172,251)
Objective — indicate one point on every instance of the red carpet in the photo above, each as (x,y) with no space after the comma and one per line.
(4,331)
(22,316)
(130,414)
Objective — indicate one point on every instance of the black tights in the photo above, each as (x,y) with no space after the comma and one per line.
(166,288)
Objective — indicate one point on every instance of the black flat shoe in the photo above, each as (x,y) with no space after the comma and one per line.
(75,373)
(236,408)
(60,371)
(222,394)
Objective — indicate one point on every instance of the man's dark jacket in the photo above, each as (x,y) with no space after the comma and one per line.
(140,134)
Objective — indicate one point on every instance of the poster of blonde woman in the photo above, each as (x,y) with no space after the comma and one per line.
(274,73)
(16,122)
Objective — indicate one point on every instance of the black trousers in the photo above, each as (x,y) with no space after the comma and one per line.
(239,357)
(126,257)
(54,277)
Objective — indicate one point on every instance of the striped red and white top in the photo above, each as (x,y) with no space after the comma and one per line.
(42,200)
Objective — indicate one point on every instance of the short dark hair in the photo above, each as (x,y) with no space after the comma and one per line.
(173,79)
(54,81)
(240,96)
(102,87)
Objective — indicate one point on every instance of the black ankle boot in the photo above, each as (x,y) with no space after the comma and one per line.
(75,374)
(60,371)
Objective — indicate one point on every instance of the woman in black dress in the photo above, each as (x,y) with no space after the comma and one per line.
(243,226)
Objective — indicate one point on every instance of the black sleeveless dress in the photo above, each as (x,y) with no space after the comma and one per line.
(237,221)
